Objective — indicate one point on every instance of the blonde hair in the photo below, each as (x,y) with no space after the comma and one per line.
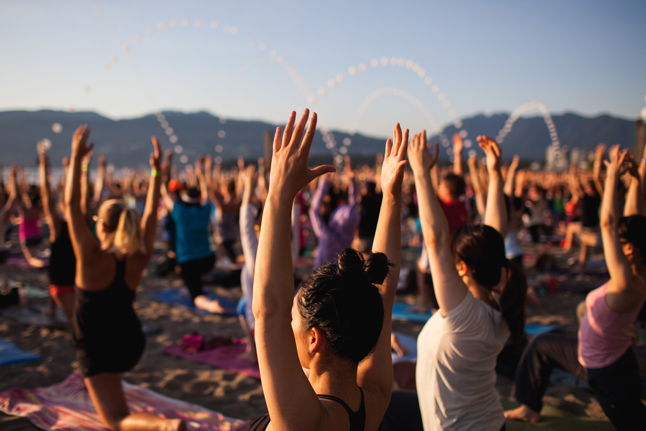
(123,227)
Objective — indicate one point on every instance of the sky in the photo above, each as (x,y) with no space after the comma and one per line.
(362,65)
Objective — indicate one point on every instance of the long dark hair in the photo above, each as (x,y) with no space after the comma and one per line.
(342,301)
(482,249)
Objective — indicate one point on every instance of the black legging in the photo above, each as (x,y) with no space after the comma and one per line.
(617,387)
(192,272)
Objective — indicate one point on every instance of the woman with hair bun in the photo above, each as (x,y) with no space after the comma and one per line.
(341,317)
(107,333)
(481,296)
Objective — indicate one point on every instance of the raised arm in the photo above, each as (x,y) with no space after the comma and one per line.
(375,372)
(596,169)
(85,187)
(201,181)
(318,224)
(100,181)
(149,218)
(49,209)
(495,210)
(625,291)
(13,196)
(291,401)
(449,287)
(248,236)
(86,248)
(476,185)
(458,145)
(635,197)
(508,189)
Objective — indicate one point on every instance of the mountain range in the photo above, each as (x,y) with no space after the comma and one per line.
(126,142)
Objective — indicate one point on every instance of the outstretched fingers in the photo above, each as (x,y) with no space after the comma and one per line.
(157,146)
(297,135)
(309,136)
(389,146)
(289,129)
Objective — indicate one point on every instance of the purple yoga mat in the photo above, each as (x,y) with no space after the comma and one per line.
(225,357)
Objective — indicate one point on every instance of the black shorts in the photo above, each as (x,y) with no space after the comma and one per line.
(111,356)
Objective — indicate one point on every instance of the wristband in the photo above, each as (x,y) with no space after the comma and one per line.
(155,173)
(644,160)
(84,168)
(597,163)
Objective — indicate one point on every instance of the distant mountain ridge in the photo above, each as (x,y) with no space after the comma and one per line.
(127,142)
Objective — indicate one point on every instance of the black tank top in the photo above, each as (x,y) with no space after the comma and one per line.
(62,261)
(107,316)
(357,419)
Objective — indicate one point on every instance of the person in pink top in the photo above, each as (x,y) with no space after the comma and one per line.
(603,353)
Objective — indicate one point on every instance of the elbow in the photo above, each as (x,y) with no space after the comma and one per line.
(606,222)
(437,239)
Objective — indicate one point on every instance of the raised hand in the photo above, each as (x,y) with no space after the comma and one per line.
(79,141)
(493,153)
(199,163)
(392,168)
(616,166)
(632,165)
(87,158)
(421,161)
(289,171)
(249,180)
(347,167)
(103,162)
(42,156)
(156,155)
(458,145)
(514,162)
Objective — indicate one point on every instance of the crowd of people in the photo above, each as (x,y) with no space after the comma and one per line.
(324,348)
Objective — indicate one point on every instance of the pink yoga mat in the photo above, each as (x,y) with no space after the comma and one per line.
(225,357)
(67,406)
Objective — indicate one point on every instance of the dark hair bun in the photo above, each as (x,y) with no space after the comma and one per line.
(376,267)
(353,268)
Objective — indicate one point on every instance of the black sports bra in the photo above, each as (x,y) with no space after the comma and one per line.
(357,419)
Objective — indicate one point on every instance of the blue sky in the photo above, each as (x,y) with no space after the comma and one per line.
(484,56)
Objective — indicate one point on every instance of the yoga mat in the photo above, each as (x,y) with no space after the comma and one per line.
(21,262)
(67,406)
(10,354)
(399,312)
(225,357)
(180,297)
(410,344)
(557,420)
(34,316)
(536,328)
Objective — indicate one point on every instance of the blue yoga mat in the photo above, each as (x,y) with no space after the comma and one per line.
(535,328)
(400,313)
(10,354)
(180,297)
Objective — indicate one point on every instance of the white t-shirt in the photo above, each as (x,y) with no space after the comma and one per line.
(456,361)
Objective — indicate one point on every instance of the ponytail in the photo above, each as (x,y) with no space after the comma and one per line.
(512,300)
(127,237)
(123,226)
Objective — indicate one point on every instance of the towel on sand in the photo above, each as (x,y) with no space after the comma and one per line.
(67,406)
